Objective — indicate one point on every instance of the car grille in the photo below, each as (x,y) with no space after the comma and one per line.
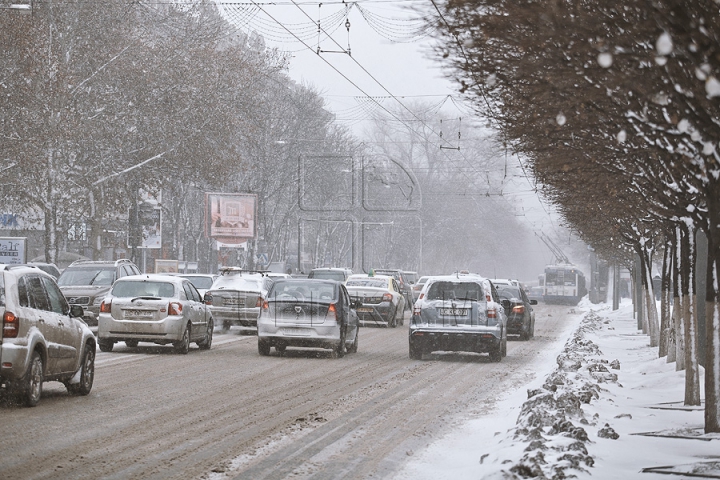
(78,300)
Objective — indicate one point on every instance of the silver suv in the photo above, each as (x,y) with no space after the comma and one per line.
(42,338)
(86,283)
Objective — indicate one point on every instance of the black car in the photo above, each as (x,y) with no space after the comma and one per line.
(520,314)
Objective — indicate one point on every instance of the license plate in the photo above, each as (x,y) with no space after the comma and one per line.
(454,311)
(364,310)
(138,314)
(295,332)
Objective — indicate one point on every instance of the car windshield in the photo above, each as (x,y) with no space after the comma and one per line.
(446,290)
(329,275)
(238,282)
(141,288)
(201,282)
(508,292)
(367,282)
(303,291)
(87,276)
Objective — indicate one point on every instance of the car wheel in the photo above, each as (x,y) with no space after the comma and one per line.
(415,351)
(183,346)
(496,354)
(339,349)
(29,387)
(263,348)
(504,348)
(131,343)
(353,348)
(402,318)
(106,346)
(226,327)
(280,348)
(206,343)
(87,374)
(392,319)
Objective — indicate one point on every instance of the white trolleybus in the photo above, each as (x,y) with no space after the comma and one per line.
(563,284)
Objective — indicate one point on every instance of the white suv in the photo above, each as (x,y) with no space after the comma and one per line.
(42,338)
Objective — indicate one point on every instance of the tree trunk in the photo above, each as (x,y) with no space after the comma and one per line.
(712,323)
(692,374)
(665,304)
(651,318)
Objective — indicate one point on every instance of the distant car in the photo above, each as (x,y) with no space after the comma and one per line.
(379,299)
(339,274)
(86,282)
(154,308)
(520,314)
(236,296)
(536,293)
(501,282)
(275,276)
(201,281)
(402,281)
(308,313)
(417,287)
(454,314)
(50,268)
(43,338)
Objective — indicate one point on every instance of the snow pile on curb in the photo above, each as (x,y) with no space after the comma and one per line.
(552,422)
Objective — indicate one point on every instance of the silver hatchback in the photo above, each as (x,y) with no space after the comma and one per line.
(154,308)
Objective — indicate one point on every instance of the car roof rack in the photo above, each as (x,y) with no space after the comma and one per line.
(243,270)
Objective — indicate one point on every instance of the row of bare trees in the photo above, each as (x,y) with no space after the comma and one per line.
(616,105)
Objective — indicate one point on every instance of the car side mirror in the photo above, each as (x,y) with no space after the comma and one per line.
(506,304)
(207,299)
(355,304)
(76,311)
(533,302)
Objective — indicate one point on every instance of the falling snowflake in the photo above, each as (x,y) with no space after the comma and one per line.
(605,60)
(560,119)
(712,87)
(622,136)
(664,44)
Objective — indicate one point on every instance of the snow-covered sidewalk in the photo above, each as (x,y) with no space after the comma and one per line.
(608,408)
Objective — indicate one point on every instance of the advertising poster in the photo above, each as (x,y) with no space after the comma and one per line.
(12,250)
(230,217)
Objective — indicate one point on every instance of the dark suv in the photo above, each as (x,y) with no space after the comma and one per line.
(86,283)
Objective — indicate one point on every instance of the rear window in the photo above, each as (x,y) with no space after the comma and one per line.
(87,276)
(143,289)
(237,282)
(508,292)
(328,275)
(201,282)
(445,290)
(367,282)
(307,291)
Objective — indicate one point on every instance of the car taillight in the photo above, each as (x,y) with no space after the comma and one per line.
(259,302)
(421,296)
(519,309)
(175,308)
(265,305)
(105,307)
(387,297)
(491,313)
(332,310)
(11,325)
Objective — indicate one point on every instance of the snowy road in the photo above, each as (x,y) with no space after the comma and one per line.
(229,413)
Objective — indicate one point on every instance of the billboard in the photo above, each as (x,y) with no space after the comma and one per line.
(230,217)
(12,250)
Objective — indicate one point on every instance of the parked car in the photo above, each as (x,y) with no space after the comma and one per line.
(417,287)
(379,299)
(521,317)
(536,293)
(402,281)
(86,282)
(339,274)
(50,268)
(236,297)
(201,281)
(154,308)
(302,312)
(455,315)
(43,338)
